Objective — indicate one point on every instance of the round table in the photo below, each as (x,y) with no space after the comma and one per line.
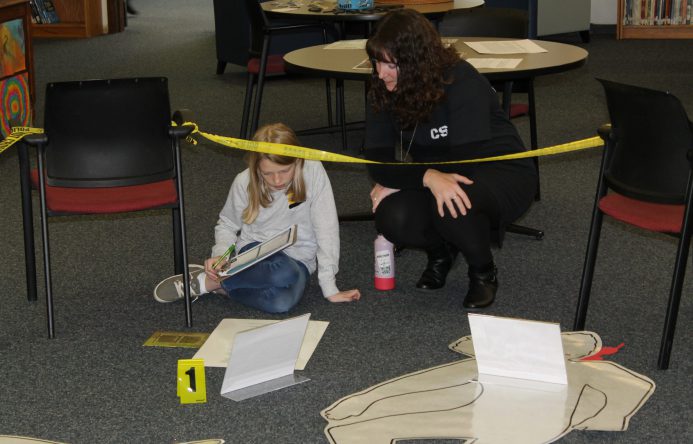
(341,63)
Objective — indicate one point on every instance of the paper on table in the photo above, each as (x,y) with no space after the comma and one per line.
(525,46)
(217,349)
(364,65)
(517,348)
(286,9)
(480,63)
(347,44)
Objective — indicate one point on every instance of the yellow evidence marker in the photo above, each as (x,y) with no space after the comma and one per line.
(191,387)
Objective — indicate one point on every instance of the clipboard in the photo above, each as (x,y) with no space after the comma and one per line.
(240,262)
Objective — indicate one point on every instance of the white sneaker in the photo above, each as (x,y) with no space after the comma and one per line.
(171,288)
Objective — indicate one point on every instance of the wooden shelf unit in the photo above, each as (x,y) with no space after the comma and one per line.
(83,18)
(12,10)
(662,31)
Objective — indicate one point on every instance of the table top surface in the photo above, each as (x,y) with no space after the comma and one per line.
(342,63)
(328,12)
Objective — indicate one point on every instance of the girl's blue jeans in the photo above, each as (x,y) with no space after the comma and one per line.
(273,285)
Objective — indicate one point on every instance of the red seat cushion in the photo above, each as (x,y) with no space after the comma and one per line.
(275,64)
(108,200)
(661,218)
(518,109)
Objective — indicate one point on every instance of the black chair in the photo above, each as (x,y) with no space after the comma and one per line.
(497,22)
(645,180)
(108,147)
(232,35)
(262,63)
(507,23)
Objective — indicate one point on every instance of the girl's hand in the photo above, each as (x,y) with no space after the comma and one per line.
(446,189)
(345,296)
(212,273)
(378,193)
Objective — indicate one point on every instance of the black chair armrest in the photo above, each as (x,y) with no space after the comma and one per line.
(36,139)
(180,116)
(604,131)
(180,132)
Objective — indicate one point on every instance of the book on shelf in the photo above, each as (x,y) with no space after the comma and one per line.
(235,264)
(657,12)
(46,11)
(35,16)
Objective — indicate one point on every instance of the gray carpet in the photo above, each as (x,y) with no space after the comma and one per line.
(96,383)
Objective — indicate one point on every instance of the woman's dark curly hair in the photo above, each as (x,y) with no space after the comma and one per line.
(408,39)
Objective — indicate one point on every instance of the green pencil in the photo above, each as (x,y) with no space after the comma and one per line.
(228,253)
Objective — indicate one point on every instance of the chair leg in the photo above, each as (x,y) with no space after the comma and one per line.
(221,66)
(178,265)
(328,86)
(46,249)
(534,144)
(673,304)
(677,283)
(341,112)
(260,86)
(328,93)
(180,226)
(28,222)
(506,97)
(592,246)
(250,85)
(588,269)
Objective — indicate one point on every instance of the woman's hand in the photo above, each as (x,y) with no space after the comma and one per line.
(213,273)
(345,296)
(445,187)
(378,193)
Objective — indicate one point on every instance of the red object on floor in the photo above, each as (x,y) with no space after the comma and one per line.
(605,351)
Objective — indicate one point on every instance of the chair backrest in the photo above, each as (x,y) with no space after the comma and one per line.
(258,22)
(106,133)
(651,138)
(231,31)
(486,22)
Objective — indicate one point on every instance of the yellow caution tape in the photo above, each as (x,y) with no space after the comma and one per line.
(17,134)
(326,156)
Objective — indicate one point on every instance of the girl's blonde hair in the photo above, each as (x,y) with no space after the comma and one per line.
(258,193)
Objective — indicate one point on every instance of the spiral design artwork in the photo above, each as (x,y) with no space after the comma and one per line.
(16,103)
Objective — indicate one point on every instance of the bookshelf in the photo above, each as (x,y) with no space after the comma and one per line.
(16,66)
(654,19)
(83,18)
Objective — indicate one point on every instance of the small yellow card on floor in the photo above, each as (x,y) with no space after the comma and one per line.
(176,339)
(191,387)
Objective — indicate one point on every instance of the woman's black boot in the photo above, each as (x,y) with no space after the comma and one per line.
(440,260)
(483,285)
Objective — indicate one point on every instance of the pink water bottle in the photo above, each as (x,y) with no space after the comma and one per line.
(384,264)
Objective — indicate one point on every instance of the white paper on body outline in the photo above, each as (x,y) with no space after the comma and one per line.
(447,402)
(517,348)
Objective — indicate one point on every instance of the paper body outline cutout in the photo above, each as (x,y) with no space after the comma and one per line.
(446,402)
